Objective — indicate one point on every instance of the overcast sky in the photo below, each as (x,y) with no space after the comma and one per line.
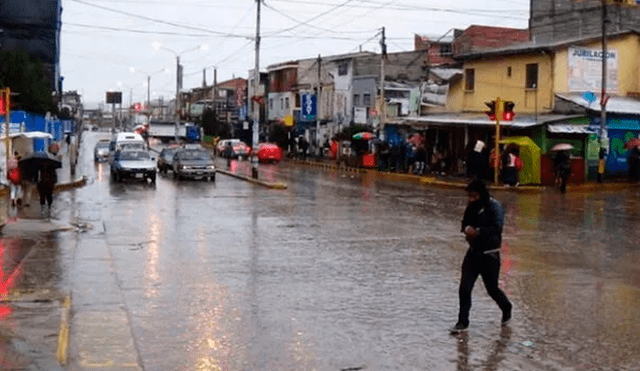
(102,39)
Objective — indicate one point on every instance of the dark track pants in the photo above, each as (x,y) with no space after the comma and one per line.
(487,266)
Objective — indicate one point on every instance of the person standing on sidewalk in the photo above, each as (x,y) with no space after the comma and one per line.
(482,225)
(15,179)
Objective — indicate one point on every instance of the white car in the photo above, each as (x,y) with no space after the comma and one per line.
(133,165)
(101,151)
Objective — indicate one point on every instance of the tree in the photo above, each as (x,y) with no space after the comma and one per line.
(24,75)
(212,126)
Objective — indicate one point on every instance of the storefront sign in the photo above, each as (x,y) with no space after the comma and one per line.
(360,115)
(585,70)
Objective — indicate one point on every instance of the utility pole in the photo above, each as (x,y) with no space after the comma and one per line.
(318,144)
(383,105)
(256,103)
(177,128)
(214,106)
(149,99)
(603,97)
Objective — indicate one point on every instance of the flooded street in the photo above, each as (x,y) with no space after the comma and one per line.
(337,272)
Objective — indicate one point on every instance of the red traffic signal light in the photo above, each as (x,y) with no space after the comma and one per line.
(4,101)
(492,110)
(507,113)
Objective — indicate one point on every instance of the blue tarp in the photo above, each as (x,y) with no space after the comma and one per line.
(22,121)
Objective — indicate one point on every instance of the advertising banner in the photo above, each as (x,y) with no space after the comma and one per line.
(585,70)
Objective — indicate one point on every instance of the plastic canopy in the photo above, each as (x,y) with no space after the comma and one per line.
(530,155)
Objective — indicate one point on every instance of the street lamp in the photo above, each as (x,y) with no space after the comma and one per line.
(158,46)
(134,70)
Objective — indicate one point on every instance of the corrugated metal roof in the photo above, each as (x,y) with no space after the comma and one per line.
(621,105)
(445,73)
(521,121)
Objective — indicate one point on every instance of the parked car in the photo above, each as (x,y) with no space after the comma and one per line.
(101,151)
(240,148)
(194,164)
(133,164)
(165,160)
(269,152)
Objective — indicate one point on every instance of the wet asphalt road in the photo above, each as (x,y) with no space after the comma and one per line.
(338,272)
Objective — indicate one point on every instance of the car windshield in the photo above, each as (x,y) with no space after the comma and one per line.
(102,145)
(132,146)
(134,156)
(194,155)
(168,153)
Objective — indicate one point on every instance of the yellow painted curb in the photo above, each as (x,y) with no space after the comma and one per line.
(63,335)
(277,185)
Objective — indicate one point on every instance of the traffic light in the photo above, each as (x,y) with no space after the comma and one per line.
(507,113)
(3,101)
(492,110)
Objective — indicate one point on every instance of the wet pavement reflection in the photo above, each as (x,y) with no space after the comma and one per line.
(340,272)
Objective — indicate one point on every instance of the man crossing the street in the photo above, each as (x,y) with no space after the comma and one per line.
(482,225)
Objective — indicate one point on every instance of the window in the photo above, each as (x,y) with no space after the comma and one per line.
(356,100)
(366,100)
(532,76)
(446,49)
(343,68)
(271,103)
(281,103)
(469,79)
(286,103)
(509,71)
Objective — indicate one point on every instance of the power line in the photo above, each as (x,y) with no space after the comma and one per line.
(312,19)
(160,21)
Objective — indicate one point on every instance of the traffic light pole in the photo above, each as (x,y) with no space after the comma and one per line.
(7,123)
(496,161)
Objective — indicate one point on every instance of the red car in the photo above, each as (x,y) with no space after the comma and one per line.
(269,152)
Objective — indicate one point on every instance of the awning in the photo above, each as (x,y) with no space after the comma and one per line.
(620,105)
(570,129)
(30,135)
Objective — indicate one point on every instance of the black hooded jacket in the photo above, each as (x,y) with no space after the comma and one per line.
(487,217)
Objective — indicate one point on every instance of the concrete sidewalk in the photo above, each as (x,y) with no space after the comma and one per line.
(39,314)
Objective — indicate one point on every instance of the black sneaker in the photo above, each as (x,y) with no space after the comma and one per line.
(506,318)
(458,328)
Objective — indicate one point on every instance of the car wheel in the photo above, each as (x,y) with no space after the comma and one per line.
(152,177)
(175,174)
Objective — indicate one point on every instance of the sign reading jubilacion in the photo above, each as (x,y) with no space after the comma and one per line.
(585,70)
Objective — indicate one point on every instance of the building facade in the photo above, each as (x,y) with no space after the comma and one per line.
(33,26)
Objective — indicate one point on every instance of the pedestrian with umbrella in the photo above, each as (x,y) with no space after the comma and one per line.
(40,168)
(562,165)
(47,179)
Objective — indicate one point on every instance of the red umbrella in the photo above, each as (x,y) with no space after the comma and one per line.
(635,142)
(416,139)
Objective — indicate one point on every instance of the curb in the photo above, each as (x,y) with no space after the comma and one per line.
(80,182)
(62,350)
(435,181)
(277,185)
